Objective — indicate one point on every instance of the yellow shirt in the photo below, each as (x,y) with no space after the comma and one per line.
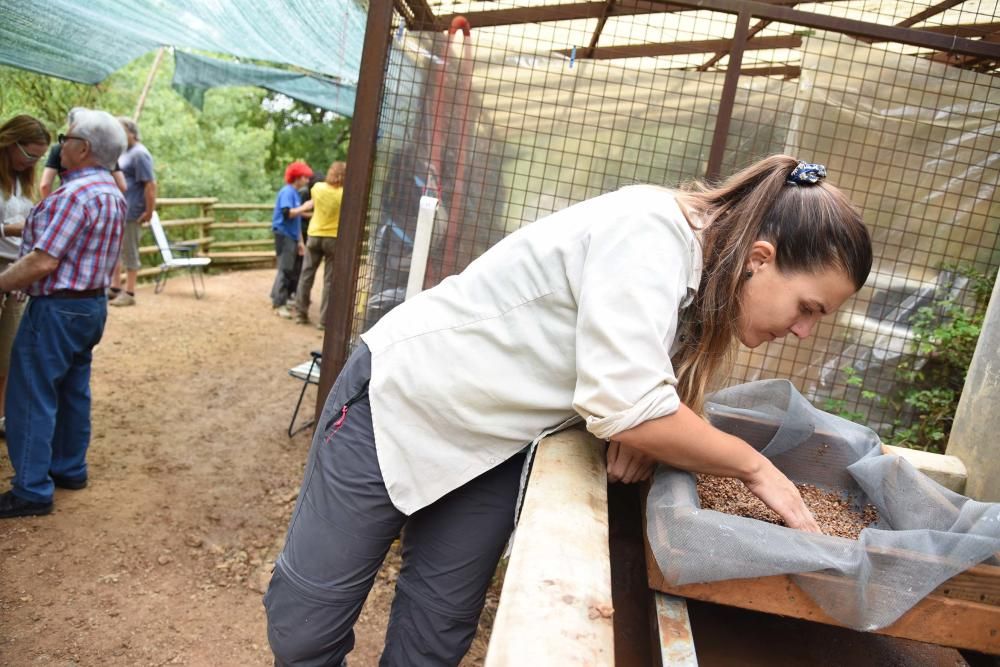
(326,210)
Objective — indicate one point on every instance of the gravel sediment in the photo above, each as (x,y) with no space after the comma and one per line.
(833,512)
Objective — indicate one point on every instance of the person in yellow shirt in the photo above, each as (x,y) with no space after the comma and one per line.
(326,197)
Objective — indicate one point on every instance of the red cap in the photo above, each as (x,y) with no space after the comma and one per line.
(296,169)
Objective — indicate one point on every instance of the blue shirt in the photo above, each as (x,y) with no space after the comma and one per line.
(288,197)
(137,166)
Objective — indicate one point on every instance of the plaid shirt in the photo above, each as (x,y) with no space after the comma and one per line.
(80,224)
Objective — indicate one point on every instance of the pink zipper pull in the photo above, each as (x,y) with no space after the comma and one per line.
(340,422)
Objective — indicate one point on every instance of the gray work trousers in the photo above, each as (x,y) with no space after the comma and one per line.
(286,250)
(318,249)
(342,528)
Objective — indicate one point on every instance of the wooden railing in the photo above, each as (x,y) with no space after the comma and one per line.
(236,247)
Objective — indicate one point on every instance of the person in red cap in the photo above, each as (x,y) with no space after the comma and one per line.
(286,223)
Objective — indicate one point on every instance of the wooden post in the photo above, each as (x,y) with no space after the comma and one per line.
(357,184)
(205,229)
(725,115)
(149,84)
(556,606)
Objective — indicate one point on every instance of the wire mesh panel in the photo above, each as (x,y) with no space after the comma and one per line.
(505,124)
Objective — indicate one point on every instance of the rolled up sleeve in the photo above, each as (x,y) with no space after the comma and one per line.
(633,281)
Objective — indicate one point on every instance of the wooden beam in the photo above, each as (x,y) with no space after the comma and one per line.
(417,14)
(787,71)
(568,12)
(719,55)
(556,605)
(357,184)
(929,12)
(242,207)
(976,63)
(941,618)
(863,29)
(926,14)
(587,52)
(149,84)
(578,10)
(728,98)
(187,201)
(964,29)
(683,48)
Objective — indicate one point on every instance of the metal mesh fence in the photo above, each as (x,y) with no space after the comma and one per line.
(516,121)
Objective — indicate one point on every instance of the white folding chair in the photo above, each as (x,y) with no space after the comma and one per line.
(188,261)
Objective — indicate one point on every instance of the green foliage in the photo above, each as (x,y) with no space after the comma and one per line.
(301,132)
(45,97)
(930,380)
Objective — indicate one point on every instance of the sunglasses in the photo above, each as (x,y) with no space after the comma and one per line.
(63,138)
(27,156)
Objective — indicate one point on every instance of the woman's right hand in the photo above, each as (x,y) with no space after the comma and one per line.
(777,492)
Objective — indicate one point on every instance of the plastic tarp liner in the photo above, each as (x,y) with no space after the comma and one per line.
(194,74)
(567,131)
(925,533)
(545,132)
(913,144)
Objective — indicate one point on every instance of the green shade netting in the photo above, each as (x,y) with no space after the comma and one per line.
(193,74)
(86,40)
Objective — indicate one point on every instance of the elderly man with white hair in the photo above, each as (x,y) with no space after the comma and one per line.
(69,248)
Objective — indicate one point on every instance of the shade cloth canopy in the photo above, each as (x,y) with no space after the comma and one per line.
(87,41)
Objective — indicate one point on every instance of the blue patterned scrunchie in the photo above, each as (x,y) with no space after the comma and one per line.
(806,174)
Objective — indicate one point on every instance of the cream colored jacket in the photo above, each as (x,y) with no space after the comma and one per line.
(573,315)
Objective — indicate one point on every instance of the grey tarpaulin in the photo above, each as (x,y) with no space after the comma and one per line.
(925,535)
(194,74)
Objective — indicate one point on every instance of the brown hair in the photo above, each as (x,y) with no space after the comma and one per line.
(22,130)
(335,174)
(812,227)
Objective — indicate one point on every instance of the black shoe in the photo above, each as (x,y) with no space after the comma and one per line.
(68,482)
(11,506)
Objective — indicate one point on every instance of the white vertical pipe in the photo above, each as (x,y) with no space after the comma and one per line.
(421,245)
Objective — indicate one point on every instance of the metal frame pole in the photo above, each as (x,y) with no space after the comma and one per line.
(357,185)
(725,116)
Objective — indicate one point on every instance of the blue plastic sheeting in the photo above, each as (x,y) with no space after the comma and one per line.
(86,40)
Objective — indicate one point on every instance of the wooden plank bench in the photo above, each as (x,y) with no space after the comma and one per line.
(556,606)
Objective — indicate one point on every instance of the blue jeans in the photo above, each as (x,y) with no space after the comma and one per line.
(48,392)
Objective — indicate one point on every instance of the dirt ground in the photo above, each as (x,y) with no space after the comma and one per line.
(164,557)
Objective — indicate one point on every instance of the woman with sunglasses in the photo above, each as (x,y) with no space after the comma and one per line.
(23,142)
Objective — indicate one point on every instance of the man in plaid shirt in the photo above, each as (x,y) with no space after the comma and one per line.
(69,248)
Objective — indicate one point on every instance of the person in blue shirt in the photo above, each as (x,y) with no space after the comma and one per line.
(286,223)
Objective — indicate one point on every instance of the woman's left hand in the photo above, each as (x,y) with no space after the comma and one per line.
(627,464)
